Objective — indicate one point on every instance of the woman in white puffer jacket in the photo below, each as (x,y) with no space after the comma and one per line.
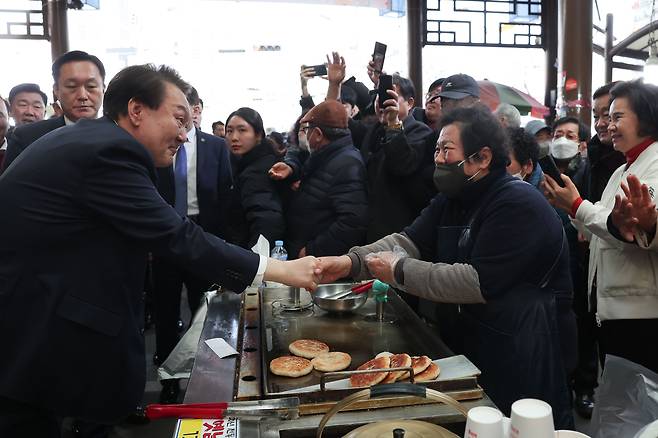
(623,263)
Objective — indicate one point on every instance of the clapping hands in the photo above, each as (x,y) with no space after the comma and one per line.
(635,210)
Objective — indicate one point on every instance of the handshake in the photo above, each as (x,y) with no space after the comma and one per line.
(308,272)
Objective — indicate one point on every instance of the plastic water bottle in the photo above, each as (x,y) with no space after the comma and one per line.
(279,252)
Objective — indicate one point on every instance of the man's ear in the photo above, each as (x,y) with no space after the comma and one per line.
(55,91)
(135,112)
(411,101)
(528,168)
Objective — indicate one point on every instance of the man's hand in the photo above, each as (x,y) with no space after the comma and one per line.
(280,171)
(335,68)
(305,74)
(305,272)
(391,109)
(558,196)
(334,268)
(373,74)
(302,253)
(634,210)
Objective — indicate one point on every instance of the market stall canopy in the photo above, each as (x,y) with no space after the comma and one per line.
(493,94)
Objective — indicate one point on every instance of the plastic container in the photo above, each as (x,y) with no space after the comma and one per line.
(279,252)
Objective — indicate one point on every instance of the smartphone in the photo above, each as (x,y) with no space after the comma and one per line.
(385,83)
(319,70)
(549,167)
(378,56)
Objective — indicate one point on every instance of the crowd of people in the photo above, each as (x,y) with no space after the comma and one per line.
(534,279)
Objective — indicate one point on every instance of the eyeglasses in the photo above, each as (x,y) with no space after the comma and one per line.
(305,129)
(431,97)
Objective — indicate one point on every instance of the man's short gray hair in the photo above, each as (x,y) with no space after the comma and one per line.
(508,115)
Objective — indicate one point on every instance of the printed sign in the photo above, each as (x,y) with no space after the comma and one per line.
(207,428)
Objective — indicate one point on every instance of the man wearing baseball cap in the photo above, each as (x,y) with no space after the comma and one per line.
(329,213)
(459,91)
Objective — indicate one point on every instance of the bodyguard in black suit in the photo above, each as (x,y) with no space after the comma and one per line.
(80,212)
(79,83)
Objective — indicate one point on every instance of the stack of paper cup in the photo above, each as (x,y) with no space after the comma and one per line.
(485,422)
(532,418)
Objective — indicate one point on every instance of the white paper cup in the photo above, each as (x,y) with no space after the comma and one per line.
(484,422)
(570,434)
(532,418)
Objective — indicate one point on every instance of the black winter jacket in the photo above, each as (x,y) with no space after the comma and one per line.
(328,214)
(396,193)
(256,206)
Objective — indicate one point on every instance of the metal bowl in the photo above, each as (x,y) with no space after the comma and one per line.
(342,305)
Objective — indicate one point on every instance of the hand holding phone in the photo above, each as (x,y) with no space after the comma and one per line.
(549,167)
(318,70)
(378,55)
(385,84)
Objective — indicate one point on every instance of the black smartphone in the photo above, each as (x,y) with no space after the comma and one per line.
(549,167)
(378,56)
(385,83)
(319,70)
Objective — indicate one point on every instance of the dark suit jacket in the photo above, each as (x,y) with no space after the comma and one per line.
(80,213)
(213,182)
(23,136)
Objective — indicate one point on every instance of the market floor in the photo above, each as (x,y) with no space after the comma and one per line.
(165,428)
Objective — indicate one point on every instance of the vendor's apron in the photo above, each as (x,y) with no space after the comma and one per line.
(513,339)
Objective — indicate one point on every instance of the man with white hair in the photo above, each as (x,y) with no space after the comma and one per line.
(509,116)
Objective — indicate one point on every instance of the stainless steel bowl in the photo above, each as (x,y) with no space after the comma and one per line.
(342,305)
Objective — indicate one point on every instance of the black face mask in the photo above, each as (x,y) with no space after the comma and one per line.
(450,179)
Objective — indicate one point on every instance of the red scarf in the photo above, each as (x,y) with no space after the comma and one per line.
(635,152)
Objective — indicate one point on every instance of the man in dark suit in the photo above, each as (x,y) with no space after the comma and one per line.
(79,83)
(80,213)
(199,187)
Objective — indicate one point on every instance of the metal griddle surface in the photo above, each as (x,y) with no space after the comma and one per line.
(350,333)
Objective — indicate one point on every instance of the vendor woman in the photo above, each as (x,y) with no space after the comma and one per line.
(493,245)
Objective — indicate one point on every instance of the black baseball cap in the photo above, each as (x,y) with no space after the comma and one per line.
(459,86)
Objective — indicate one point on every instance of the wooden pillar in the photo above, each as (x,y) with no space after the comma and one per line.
(575,59)
(58,28)
(549,21)
(609,37)
(415,43)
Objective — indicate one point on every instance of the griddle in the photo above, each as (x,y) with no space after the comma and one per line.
(267,331)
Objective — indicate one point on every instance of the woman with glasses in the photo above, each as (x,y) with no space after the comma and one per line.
(491,246)
(256,206)
(621,228)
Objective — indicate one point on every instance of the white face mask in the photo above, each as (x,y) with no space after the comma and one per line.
(564,149)
(519,175)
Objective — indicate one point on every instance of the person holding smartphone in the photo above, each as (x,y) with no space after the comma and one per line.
(621,228)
